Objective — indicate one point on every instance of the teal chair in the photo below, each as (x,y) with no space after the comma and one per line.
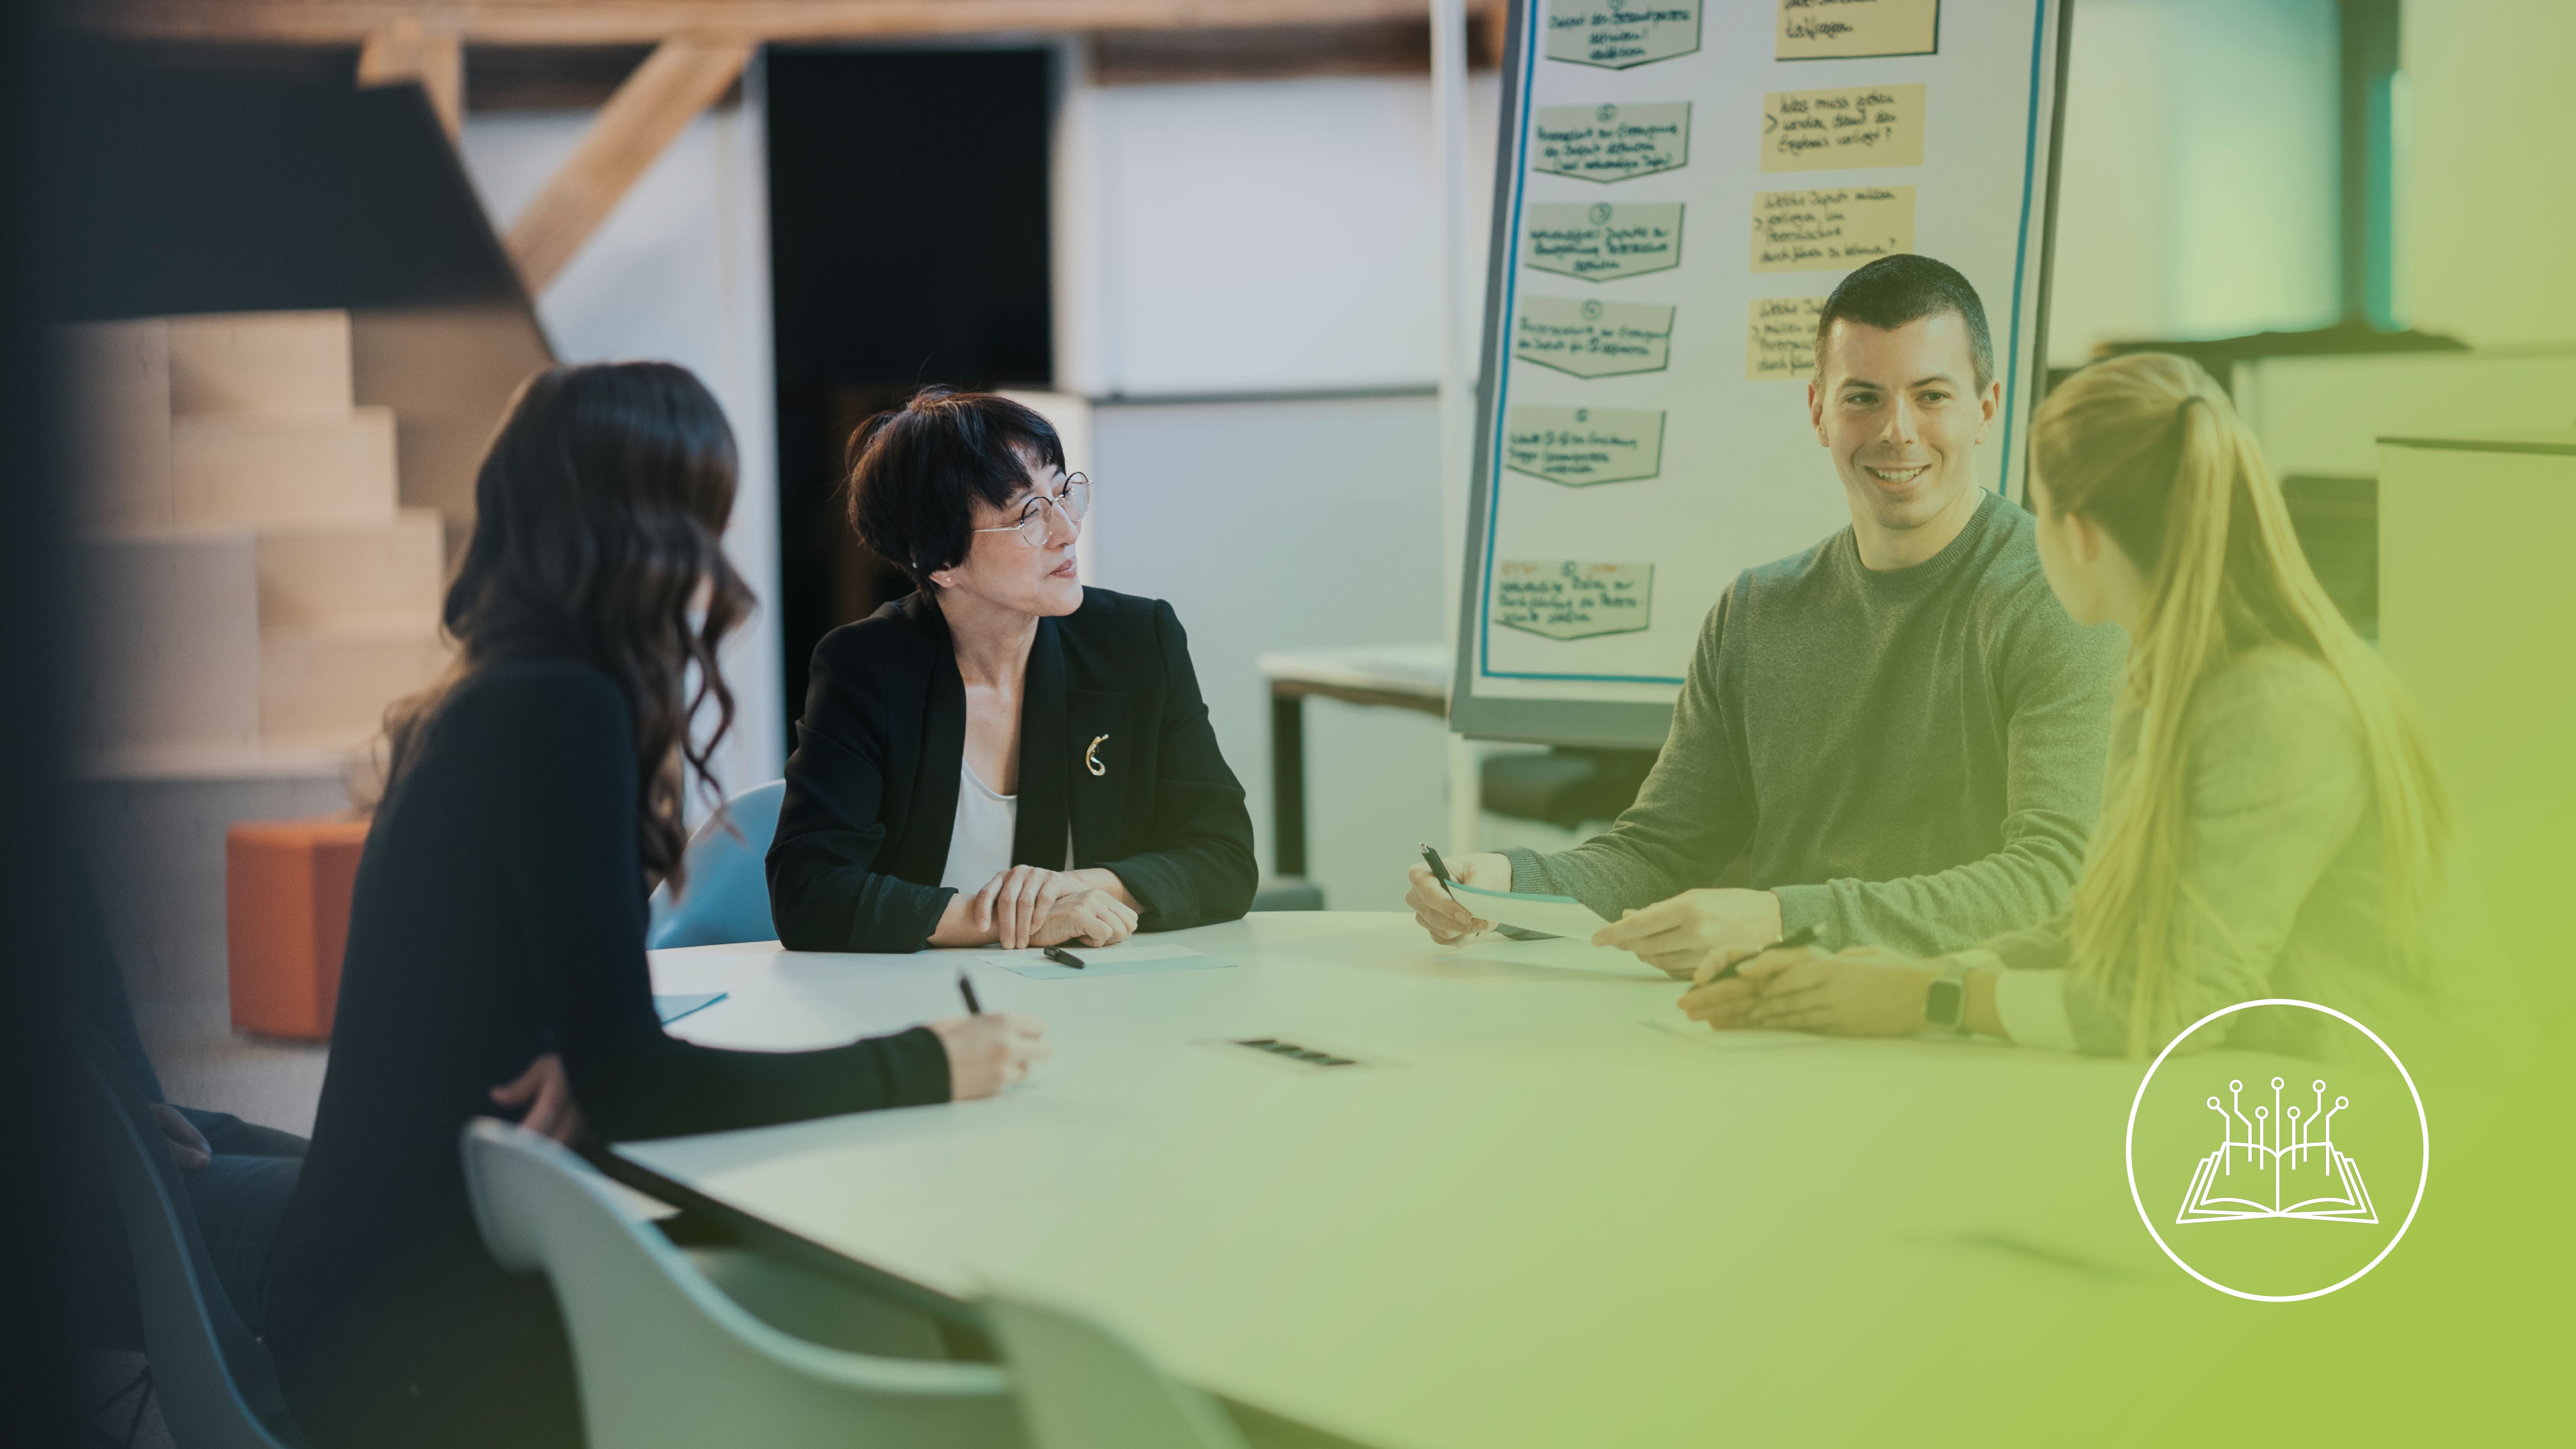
(217,1386)
(728,896)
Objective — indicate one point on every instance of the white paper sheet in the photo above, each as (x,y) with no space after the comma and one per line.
(1105,961)
(1556,915)
(1563,953)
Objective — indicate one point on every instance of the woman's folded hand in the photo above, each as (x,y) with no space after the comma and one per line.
(1092,917)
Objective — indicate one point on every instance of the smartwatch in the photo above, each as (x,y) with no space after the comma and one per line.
(1945,1002)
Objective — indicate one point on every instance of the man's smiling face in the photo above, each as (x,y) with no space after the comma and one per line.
(1903,415)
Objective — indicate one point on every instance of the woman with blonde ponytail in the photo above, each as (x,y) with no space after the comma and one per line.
(2272,824)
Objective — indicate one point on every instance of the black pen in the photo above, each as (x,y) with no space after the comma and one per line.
(1439,872)
(1803,936)
(1062,957)
(966,989)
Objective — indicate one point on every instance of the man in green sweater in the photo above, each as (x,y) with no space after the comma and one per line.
(1900,730)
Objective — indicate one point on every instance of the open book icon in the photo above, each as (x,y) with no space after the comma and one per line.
(2279,1163)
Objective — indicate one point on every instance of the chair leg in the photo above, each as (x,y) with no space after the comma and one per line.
(140,1386)
(142,1401)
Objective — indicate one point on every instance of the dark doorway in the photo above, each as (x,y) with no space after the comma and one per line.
(908,244)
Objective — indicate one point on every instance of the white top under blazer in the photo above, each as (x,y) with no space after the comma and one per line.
(979,844)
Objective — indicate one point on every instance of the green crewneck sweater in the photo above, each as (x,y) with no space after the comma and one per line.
(1910,758)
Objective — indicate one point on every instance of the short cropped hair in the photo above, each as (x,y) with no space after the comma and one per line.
(1903,288)
(915,473)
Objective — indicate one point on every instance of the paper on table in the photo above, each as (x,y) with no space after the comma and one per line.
(1562,953)
(1556,915)
(1735,1039)
(1106,961)
(671,1008)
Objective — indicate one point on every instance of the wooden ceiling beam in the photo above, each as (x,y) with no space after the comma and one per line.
(682,77)
(610,22)
(405,53)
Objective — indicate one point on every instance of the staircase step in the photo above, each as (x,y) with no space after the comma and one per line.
(329,574)
(330,686)
(118,380)
(242,469)
(171,644)
(268,364)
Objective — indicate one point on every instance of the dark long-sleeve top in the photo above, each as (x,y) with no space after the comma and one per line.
(1114,738)
(499,914)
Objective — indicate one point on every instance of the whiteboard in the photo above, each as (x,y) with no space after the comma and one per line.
(1681,184)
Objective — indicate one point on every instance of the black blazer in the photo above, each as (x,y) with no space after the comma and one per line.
(872,787)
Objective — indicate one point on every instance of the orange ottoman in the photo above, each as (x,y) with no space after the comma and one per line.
(287,885)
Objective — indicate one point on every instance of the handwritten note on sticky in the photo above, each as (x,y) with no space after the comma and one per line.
(1617,34)
(1830,229)
(1601,242)
(1839,29)
(1566,599)
(1830,130)
(1593,339)
(1582,446)
(1780,342)
(1610,143)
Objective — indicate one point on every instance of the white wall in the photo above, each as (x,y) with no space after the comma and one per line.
(2485,202)
(1276,525)
(2198,187)
(678,272)
(1255,235)
(1274,237)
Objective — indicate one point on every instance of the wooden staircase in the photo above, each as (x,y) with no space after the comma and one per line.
(258,592)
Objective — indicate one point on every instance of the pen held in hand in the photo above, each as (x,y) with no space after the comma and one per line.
(1439,869)
(1803,936)
(966,989)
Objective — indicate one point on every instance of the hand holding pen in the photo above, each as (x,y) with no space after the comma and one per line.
(1722,995)
(1436,909)
(988,1050)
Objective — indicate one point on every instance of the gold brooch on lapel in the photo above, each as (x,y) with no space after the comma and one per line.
(1091,758)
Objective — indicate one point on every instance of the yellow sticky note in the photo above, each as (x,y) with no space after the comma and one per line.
(1840,29)
(1780,339)
(1830,229)
(1843,127)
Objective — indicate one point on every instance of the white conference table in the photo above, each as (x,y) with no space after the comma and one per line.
(1545,1210)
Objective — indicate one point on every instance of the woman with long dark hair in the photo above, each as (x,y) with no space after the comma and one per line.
(531,801)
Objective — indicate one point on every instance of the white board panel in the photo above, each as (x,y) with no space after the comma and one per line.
(1679,187)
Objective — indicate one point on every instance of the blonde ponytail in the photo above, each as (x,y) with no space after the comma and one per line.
(2149,447)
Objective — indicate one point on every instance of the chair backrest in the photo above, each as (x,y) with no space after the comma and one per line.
(664,1358)
(728,895)
(217,1385)
(1082,1387)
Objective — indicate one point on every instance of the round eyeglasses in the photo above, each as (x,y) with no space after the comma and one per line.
(1033,527)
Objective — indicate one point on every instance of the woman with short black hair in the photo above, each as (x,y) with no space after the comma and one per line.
(1002,755)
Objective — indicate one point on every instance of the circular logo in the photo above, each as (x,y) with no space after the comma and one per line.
(1591,311)
(1608,113)
(2275,1176)
(1601,213)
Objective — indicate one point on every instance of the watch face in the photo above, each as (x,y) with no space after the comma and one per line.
(1941,1006)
